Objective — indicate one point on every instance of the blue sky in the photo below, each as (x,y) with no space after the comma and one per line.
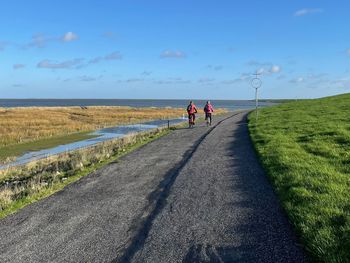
(173,49)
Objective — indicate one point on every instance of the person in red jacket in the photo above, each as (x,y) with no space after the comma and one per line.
(208,109)
(191,110)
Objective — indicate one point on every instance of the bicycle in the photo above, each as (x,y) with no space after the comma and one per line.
(191,118)
(208,118)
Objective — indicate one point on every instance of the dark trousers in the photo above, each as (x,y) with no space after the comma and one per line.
(193,116)
(208,116)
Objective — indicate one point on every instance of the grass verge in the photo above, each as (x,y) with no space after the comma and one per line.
(304,147)
(22,186)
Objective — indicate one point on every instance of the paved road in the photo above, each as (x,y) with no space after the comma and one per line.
(194,195)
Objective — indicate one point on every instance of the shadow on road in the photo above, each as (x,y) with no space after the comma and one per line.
(264,231)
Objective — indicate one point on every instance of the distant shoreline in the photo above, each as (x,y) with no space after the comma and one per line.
(136,103)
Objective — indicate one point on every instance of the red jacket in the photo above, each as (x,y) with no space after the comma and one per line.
(208,108)
(191,109)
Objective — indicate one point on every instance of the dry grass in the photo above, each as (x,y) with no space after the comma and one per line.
(19,125)
(6,196)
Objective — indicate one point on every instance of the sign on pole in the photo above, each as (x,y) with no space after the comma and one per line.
(256,84)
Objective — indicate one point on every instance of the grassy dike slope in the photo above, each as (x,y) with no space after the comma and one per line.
(304,147)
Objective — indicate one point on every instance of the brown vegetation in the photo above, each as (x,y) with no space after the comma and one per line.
(18,125)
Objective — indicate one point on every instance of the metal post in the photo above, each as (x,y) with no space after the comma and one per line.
(168,124)
(256,103)
(256,84)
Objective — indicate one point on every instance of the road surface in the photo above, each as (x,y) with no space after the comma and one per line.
(195,195)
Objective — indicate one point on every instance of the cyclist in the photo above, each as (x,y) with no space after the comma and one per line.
(208,109)
(191,110)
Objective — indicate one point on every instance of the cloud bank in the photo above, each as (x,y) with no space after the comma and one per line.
(59,65)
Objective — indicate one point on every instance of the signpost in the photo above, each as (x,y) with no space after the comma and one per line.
(256,84)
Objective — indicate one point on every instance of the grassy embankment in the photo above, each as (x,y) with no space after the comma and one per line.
(304,147)
(36,128)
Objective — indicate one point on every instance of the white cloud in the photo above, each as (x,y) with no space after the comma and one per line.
(39,41)
(59,65)
(265,68)
(69,36)
(112,56)
(244,76)
(275,69)
(308,11)
(260,71)
(172,54)
(18,66)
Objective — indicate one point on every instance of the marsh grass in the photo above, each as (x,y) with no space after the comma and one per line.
(36,128)
(305,149)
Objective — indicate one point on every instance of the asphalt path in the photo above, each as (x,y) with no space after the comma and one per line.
(195,195)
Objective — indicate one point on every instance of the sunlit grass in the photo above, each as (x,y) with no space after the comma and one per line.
(305,149)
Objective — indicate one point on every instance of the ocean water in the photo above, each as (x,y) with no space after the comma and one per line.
(227,104)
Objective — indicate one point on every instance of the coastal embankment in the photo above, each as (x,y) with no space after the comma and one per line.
(304,147)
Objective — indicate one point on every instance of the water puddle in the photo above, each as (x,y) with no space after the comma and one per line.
(103,135)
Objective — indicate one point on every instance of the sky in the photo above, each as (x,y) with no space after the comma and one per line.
(174,49)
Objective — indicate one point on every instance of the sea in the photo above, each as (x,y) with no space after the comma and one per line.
(230,105)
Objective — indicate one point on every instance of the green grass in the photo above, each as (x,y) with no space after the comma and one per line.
(304,147)
(22,148)
(73,175)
